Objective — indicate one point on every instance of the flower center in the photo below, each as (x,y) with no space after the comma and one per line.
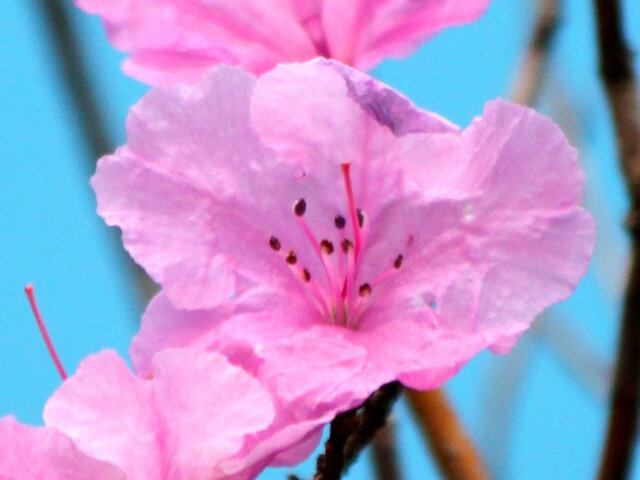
(340,299)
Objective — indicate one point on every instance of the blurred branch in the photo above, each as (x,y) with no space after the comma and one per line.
(526,88)
(90,117)
(352,431)
(622,93)
(453,450)
(573,350)
(385,457)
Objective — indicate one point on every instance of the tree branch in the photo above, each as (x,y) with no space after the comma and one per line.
(385,457)
(352,431)
(90,117)
(529,79)
(454,452)
(622,93)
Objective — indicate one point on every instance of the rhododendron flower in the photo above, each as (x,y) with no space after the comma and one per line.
(176,41)
(28,453)
(189,421)
(315,210)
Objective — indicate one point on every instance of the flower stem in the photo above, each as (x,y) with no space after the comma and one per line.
(622,93)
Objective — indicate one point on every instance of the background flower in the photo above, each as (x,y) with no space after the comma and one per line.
(176,41)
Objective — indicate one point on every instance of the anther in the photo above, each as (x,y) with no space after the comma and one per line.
(397,263)
(326,246)
(291,257)
(306,276)
(346,245)
(339,222)
(364,290)
(274,243)
(360,218)
(300,207)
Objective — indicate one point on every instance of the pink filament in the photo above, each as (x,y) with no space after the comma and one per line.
(353,213)
(43,330)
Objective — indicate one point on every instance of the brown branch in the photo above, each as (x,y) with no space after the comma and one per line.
(454,452)
(385,457)
(73,71)
(529,79)
(622,93)
(352,431)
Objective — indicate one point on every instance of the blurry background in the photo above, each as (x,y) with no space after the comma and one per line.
(538,413)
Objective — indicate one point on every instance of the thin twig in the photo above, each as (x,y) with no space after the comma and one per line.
(453,450)
(73,71)
(385,456)
(622,93)
(529,79)
(352,431)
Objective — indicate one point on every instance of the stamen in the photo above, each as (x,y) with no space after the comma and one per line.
(346,173)
(275,244)
(306,276)
(360,218)
(326,246)
(339,222)
(300,207)
(364,290)
(291,257)
(397,263)
(346,245)
(43,331)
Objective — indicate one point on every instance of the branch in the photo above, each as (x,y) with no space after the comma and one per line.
(352,431)
(453,450)
(385,457)
(90,117)
(622,93)
(529,79)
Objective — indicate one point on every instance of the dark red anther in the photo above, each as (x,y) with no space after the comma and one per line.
(339,222)
(300,207)
(360,218)
(346,245)
(397,263)
(364,290)
(274,243)
(306,276)
(291,257)
(326,246)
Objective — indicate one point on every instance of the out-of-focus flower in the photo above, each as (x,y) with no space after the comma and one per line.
(27,453)
(189,421)
(176,41)
(315,210)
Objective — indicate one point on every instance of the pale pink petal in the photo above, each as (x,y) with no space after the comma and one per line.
(184,423)
(511,238)
(106,411)
(178,40)
(28,453)
(363,32)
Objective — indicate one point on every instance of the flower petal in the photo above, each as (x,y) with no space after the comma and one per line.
(27,453)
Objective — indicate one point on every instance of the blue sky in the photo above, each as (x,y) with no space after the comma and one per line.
(50,235)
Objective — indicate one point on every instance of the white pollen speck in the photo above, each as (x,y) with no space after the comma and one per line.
(468,213)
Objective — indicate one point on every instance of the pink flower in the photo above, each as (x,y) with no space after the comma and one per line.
(189,421)
(176,41)
(315,210)
(28,453)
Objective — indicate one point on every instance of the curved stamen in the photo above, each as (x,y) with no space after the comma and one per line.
(43,331)
(353,211)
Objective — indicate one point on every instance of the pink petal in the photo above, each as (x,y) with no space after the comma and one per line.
(363,32)
(28,453)
(178,40)
(184,423)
